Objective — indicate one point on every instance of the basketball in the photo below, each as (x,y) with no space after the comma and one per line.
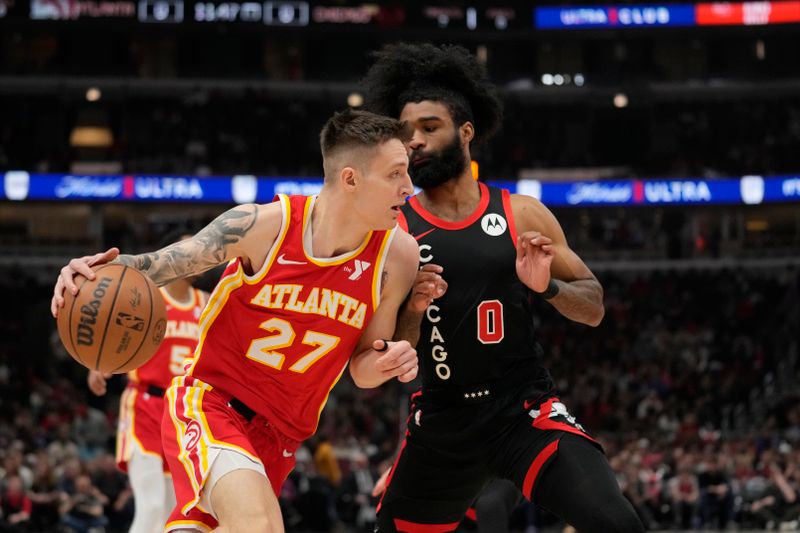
(116,322)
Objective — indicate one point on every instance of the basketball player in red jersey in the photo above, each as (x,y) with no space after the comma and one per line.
(312,283)
(139,449)
(488,408)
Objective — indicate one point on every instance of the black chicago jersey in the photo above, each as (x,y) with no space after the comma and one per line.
(481,330)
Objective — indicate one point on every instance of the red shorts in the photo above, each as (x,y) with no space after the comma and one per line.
(198,422)
(139,425)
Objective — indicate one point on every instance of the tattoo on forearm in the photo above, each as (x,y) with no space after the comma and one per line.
(193,256)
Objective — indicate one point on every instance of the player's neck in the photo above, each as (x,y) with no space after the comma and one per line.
(180,290)
(454,199)
(334,230)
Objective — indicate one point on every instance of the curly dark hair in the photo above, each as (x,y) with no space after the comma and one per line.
(404,73)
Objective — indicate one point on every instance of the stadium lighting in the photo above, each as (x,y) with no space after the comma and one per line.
(547,79)
(93,94)
(579,79)
(91,137)
(355,100)
(620,100)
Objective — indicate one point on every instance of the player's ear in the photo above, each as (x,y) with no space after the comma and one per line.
(466,132)
(349,178)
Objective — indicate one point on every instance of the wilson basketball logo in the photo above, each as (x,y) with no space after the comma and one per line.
(89,313)
(493,224)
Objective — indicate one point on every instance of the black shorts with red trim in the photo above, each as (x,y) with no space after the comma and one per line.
(452,449)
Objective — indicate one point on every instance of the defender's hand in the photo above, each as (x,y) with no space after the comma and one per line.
(398,360)
(534,256)
(428,286)
(380,485)
(83,266)
(97,381)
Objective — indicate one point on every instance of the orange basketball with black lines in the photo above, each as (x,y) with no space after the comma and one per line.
(116,322)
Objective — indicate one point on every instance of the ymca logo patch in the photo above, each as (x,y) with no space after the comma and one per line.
(360,268)
(493,224)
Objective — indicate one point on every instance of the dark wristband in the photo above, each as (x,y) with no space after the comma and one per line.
(551,290)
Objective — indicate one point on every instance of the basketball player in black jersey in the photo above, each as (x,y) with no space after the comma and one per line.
(487,407)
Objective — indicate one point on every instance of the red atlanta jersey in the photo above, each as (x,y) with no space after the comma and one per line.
(180,341)
(279,340)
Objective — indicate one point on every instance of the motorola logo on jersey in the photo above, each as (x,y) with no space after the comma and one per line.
(493,224)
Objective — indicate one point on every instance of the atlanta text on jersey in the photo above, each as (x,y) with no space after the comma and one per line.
(317,301)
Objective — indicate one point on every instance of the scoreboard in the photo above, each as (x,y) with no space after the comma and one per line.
(479,16)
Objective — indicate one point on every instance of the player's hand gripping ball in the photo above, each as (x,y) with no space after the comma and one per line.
(116,322)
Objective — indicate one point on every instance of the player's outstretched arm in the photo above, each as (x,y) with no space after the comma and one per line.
(215,244)
(245,231)
(548,266)
(377,360)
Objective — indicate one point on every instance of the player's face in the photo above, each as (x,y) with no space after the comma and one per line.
(386,185)
(436,153)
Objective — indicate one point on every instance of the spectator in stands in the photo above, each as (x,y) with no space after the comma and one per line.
(44,494)
(325,460)
(684,492)
(14,465)
(15,507)
(355,503)
(716,498)
(111,482)
(82,509)
(778,503)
